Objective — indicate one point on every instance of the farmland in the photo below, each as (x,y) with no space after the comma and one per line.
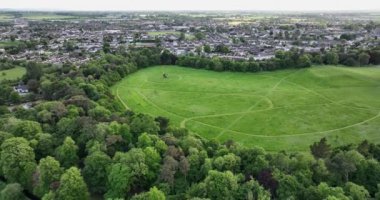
(282,110)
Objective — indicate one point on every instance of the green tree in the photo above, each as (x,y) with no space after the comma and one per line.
(304,61)
(364,59)
(45,145)
(182,36)
(106,47)
(199,35)
(17,161)
(66,154)
(252,190)
(356,192)
(95,171)
(33,71)
(12,191)
(221,185)
(72,186)
(324,191)
(207,48)
(143,123)
(331,58)
(153,194)
(14,98)
(288,187)
(320,149)
(118,181)
(49,172)
(227,162)
(23,128)
(153,161)
(344,163)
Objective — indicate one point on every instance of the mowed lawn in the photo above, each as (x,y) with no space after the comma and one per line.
(12,74)
(281,110)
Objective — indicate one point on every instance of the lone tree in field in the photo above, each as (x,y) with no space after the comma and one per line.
(320,149)
(164,75)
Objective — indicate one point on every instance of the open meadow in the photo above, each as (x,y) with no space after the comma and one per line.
(281,110)
(12,74)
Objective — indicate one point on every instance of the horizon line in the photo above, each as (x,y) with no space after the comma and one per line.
(183,10)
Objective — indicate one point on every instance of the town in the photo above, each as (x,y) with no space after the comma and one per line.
(76,37)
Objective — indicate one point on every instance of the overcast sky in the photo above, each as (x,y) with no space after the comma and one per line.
(115,5)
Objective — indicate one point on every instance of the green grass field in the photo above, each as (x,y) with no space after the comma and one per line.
(6,43)
(12,74)
(282,110)
(162,33)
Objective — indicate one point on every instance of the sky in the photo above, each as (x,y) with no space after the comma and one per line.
(132,5)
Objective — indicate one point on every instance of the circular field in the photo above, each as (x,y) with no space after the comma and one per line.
(282,110)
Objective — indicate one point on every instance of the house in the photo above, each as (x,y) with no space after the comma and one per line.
(21,89)
(377,32)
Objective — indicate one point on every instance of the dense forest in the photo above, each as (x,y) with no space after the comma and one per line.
(78,142)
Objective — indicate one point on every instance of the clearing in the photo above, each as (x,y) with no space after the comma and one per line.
(281,110)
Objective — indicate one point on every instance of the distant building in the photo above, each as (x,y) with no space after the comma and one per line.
(22,89)
(377,32)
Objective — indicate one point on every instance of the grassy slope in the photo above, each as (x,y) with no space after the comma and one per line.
(12,74)
(286,109)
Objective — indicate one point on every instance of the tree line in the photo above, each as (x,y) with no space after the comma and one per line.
(295,58)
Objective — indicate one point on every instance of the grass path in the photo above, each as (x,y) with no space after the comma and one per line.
(253,106)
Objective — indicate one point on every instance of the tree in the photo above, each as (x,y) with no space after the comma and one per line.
(182,36)
(48,173)
(324,191)
(289,187)
(344,163)
(252,190)
(356,192)
(221,185)
(13,191)
(168,170)
(153,194)
(17,161)
(118,181)
(304,61)
(95,171)
(331,58)
(33,71)
(143,123)
(23,128)
(67,153)
(221,48)
(184,165)
(199,35)
(72,186)
(14,98)
(364,59)
(227,162)
(106,47)
(163,124)
(153,161)
(99,113)
(207,48)
(320,149)
(167,58)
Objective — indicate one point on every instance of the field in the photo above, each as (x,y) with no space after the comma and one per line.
(12,74)
(6,43)
(46,16)
(162,33)
(282,110)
